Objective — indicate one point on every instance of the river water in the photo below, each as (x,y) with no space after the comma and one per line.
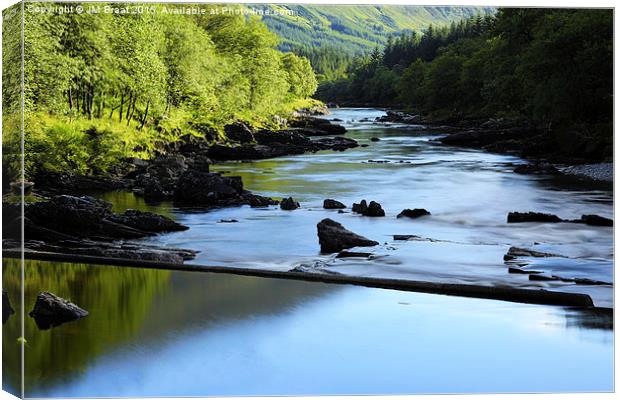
(468,192)
(164,333)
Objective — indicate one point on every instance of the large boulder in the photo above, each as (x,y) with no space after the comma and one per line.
(239,132)
(66,213)
(415,213)
(333,237)
(331,204)
(50,310)
(289,204)
(207,189)
(372,209)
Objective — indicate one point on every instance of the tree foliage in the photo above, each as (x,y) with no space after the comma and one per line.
(155,75)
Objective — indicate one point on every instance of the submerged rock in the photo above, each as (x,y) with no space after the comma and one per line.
(515,252)
(333,237)
(415,213)
(331,204)
(50,310)
(289,204)
(515,217)
(353,254)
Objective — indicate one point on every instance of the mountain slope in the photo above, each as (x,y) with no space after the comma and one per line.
(355,28)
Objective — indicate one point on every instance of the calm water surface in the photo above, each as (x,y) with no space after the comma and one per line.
(162,333)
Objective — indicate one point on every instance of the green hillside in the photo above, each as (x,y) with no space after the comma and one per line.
(356,28)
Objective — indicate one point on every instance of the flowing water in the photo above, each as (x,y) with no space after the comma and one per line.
(165,333)
(468,192)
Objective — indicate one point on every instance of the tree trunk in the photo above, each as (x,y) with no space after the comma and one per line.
(129,103)
(120,113)
(146,113)
(133,109)
(70,99)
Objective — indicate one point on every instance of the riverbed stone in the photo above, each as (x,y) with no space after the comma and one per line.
(333,237)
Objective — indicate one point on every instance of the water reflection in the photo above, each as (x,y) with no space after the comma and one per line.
(159,333)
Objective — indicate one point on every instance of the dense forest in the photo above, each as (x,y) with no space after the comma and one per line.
(99,87)
(552,66)
(330,36)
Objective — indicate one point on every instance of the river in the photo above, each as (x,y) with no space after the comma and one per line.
(164,333)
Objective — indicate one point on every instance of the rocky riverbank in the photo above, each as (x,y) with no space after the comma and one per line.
(521,138)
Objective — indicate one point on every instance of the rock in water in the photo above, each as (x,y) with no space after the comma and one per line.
(596,220)
(207,189)
(333,237)
(415,213)
(147,221)
(289,204)
(331,204)
(514,217)
(360,207)
(7,309)
(373,209)
(51,310)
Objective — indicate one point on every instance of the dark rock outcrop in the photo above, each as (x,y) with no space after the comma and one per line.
(516,252)
(333,237)
(331,204)
(398,116)
(147,221)
(515,217)
(289,204)
(537,168)
(334,143)
(591,219)
(415,213)
(239,132)
(207,189)
(317,127)
(63,183)
(87,226)
(595,220)
(50,310)
(372,209)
